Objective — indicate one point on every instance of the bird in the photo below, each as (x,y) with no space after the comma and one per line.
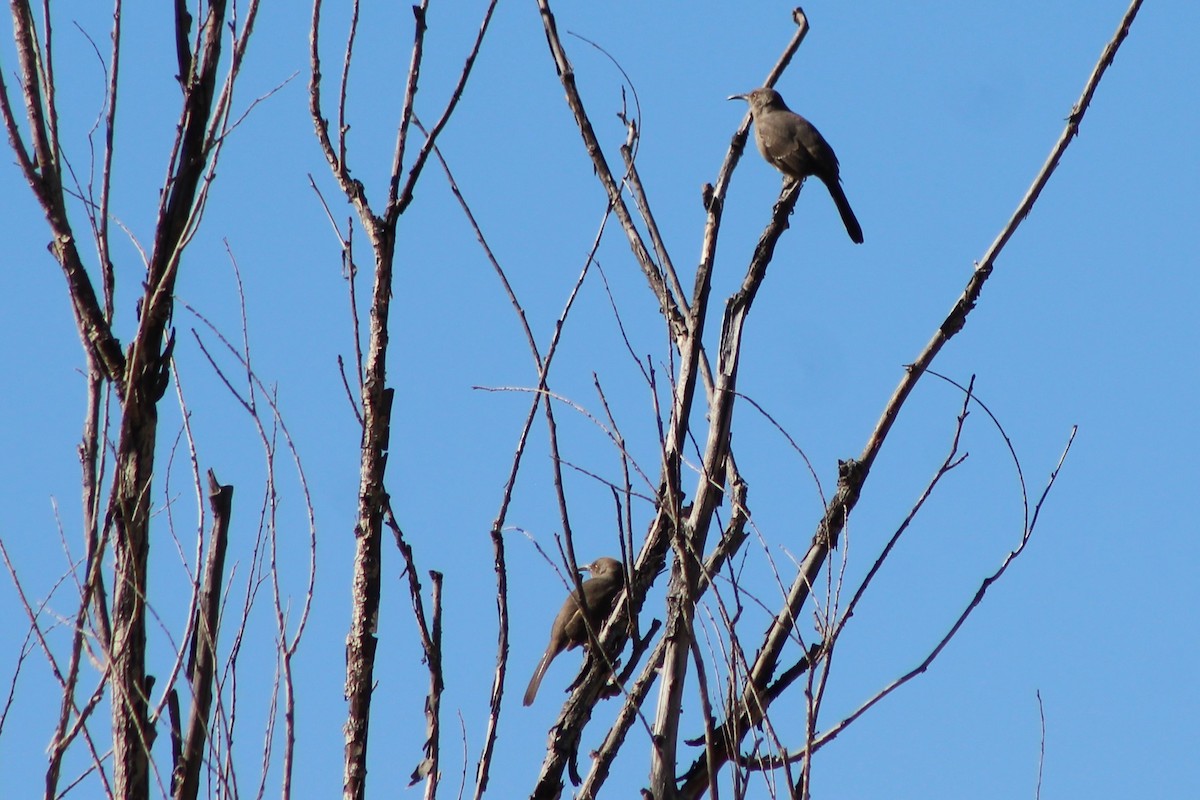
(568,630)
(793,146)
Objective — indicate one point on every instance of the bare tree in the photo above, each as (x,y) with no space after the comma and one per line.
(754,683)
(374,404)
(700,646)
(121,450)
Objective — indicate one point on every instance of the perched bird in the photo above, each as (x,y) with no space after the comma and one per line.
(569,631)
(793,146)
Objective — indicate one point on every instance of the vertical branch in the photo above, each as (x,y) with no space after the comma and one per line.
(431,644)
(689,542)
(433,710)
(429,769)
(110,119)
(372,500)
(376,397)
(190,157)
(145,381)
(204,644)
(410,96)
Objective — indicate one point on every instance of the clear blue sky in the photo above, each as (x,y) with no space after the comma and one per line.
(941,115)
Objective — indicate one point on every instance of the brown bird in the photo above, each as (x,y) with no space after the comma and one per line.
(793,146)
(569,631)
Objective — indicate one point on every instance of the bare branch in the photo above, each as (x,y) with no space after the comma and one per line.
(398,203)
(204,644)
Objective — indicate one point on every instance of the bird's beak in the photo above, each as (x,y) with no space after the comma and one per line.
(736,97)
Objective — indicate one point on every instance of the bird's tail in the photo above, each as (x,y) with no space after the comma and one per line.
(843,206)
(536,681)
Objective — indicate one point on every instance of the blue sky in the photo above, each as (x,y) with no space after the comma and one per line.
(941,116)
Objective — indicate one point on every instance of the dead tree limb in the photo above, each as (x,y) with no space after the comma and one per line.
(203,660)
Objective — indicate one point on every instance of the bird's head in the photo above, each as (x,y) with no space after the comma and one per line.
(761,98)
(603,566)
